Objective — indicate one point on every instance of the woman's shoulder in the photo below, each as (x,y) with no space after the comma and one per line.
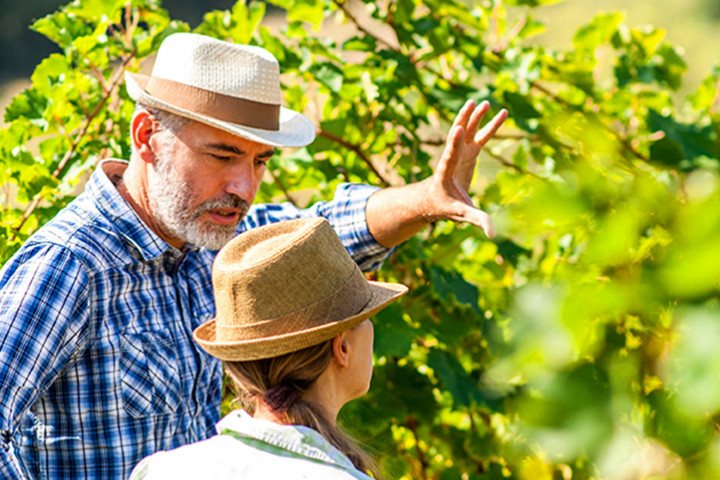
(230,455)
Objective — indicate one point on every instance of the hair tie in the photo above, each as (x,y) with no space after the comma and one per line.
(280,397)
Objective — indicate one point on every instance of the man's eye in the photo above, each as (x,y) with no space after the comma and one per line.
(223,158)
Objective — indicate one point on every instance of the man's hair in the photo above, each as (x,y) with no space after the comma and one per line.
(167,121)
(298,370)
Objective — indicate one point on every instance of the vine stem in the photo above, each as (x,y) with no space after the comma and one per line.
(68,155)
(281,186)
(411,423)
(342,6)
(358,151)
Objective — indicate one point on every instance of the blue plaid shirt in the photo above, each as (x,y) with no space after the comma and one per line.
(98,367)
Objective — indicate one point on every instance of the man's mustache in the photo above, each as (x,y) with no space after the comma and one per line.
(226,201)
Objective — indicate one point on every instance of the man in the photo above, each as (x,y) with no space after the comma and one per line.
(97,363)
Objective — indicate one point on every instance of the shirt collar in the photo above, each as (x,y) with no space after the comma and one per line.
(297,439)
(116,209)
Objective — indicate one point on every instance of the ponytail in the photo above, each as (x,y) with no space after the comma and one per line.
(280,383)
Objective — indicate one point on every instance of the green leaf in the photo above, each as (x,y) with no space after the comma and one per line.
(405,392)
(94,9)
(361,44)
(393,336)
(695,141)
(455,379)
(520,109)
(707,92)
(30,105)
(598,32)
(453,288)
(311,11)
(667,152)
(330,76)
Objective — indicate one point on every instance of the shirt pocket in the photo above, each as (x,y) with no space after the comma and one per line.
(150,378)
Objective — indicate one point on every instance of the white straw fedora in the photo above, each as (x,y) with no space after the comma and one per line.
(232,87)
(284,287)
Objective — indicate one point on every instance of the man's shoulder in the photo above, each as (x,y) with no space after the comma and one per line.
(83,233)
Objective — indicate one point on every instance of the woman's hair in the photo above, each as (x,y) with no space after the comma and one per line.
(281,382)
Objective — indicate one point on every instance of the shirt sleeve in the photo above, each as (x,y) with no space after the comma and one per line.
(346,214)
(43,318)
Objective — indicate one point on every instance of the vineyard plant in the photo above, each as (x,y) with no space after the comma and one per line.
(582,341)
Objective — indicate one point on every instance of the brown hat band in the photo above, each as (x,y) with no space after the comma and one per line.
(345,302)
(212,104)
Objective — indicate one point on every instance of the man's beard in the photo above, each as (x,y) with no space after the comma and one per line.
(171,203)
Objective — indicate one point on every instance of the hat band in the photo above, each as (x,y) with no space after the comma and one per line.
(215,105)
(345,302)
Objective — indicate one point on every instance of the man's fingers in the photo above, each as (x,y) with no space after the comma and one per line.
(464,115)
(451,157)
(475,118)
(482,137)
(475,217)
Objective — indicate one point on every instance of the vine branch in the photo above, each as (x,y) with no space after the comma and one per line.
(281,186)
(357,150)
(411,424)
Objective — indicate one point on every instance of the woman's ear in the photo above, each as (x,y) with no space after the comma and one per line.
(341,349)
(142,128)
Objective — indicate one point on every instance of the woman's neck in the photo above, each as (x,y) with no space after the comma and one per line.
(263,412)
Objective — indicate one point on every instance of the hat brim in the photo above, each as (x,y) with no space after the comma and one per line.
(382,294)
(295,129)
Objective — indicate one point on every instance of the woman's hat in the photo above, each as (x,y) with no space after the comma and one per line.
(232,87)
(284,287)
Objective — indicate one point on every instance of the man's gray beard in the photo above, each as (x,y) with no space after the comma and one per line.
(170,200)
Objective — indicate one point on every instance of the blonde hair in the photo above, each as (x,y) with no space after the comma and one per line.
(293,374)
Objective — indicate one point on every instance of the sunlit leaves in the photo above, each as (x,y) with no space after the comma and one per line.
(311,11)
(75,112)
(238,24)
(646,58)
(598,32)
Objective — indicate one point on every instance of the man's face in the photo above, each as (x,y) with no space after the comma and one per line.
(203,182)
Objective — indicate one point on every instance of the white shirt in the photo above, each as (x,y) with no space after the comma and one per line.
(250,448)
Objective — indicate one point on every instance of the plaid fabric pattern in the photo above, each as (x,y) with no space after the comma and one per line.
(98,367)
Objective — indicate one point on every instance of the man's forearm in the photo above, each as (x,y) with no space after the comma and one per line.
(395,214)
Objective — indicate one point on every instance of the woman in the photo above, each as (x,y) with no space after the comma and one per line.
(292,326)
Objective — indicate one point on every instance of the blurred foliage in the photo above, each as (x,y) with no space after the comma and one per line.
(581,342)
(22,48)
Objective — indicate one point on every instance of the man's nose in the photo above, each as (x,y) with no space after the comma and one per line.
(242,181)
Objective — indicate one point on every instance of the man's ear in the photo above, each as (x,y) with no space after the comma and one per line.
(142,128)
(341,349)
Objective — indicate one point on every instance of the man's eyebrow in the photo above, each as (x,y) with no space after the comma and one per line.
(233,149)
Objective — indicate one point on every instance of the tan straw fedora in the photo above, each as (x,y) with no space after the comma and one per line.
(284,287)
(232,87)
